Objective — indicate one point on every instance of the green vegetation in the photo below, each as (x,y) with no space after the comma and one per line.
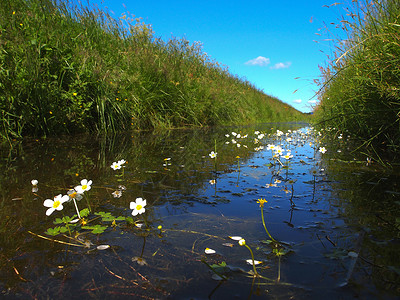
(66,68)
(360,91)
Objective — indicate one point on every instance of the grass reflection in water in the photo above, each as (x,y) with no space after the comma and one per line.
(162,217)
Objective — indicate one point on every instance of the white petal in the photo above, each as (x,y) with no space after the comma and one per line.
(58,198)
(141,201)
(256,262)
(48,203)
(64,198)
(79,189)
(50,211)
(135,212)
(60,207)
(103,247)
(209,251)
(236,238)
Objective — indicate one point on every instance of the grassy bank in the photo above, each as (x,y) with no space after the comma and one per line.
(67,68)
(361,86)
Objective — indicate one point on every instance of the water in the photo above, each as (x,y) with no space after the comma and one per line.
(336,218)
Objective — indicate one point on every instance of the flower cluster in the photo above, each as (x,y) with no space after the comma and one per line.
(73,194)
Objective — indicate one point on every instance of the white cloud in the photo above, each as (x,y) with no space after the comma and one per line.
(312,101)
(297,101)
(281,65)
(259,61)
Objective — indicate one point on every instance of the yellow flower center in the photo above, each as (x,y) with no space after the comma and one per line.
(56,204)
(84,187)
(139,207)
(72,195)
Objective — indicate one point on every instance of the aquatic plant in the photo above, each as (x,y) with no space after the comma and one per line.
(262,202)
(242,242)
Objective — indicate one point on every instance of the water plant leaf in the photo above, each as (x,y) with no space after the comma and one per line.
(63,229)
(105,216)
(129,220)
(53,231)
(84,212)
(96,229)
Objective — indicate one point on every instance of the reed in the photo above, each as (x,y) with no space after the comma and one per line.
(360,87)
(67,68)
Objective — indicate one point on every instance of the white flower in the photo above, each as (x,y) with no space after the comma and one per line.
(55,204)
(213,154)
(261,136)
(140,260)
(85,186)
(287,156)
(270,147)
(115,166)
(34,182)
(242,242)
(138,206)
(212,181)
(256,262)
(73,194)
(278,150)
(322,150)
(209,251)
(121,162)
(117,194)
(236,238)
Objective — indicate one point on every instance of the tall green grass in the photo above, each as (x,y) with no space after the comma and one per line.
(360,90)
(67,68)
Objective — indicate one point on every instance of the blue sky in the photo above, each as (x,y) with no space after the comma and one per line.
(270,43)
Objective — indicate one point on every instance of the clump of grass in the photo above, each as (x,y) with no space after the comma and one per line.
(360,91)
(67,68)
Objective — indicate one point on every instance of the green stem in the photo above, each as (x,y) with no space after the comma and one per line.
(66,224)
(265,227)
(252,258)
(88,203)
(77,210)
(279,269)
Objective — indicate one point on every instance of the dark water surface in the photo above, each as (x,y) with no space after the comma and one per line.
(335,218)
